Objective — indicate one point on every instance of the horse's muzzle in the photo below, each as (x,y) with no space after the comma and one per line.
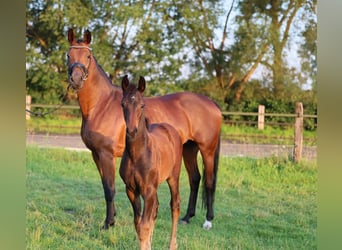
(131,132)
(78,73)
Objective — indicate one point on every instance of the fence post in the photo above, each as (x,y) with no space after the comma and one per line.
(28,107)
(261,117)
(298,133)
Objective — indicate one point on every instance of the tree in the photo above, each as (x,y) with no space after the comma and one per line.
(220,45)
(139,40)
(308,47)
(261,37)
(272,22)
(128,37)
(209,59)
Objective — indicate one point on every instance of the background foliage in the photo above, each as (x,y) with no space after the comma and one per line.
(239,53)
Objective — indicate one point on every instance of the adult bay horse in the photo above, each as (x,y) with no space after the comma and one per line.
(153,154)
(196,118)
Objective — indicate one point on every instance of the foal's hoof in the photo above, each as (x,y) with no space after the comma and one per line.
(207,225)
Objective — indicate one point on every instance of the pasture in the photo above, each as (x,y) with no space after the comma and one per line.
(265,203)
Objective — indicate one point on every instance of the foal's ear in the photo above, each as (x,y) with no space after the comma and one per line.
(87,37)
(71,36)
(142,84)
(124,83)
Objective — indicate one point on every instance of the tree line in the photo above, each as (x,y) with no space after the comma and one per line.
(236,52)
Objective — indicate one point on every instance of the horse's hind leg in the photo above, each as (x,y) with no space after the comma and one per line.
(210,161)
(190,150)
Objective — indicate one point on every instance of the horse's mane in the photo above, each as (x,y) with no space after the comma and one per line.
(99,66)
(101,69)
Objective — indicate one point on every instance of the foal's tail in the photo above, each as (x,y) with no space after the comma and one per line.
(216,163)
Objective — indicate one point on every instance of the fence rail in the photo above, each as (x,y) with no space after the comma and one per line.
(298,116)
(225,113)
(54,106)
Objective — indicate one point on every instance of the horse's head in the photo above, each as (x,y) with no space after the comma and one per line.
(79,59)
(133,104)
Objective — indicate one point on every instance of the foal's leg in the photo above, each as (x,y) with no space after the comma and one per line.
(148,219)
(190,150)
(175,209)
(105,163)
(134,198)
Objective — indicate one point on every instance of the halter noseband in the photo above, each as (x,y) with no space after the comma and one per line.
(82,67)
(80,47)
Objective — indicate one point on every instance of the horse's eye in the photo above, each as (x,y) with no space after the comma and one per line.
(143,105)
(88,56)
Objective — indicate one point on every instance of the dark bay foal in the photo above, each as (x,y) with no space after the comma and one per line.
(153,154)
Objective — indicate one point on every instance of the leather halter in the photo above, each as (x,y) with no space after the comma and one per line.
(79,65)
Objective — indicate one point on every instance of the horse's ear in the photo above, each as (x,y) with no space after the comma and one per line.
(71,36)
(87,37)
(142,84)
(124,83)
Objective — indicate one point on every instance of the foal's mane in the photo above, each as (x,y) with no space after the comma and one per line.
(147,122)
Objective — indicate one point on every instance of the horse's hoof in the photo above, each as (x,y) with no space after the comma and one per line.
(207,225)
(183,222)
(106,226)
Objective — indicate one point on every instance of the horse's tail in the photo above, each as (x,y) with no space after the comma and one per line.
(216,163)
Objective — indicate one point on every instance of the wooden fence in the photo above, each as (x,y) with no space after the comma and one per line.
(298,124)
(261,114)
(260,121)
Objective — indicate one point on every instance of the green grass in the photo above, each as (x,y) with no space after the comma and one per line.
(235,133)
(54,125)
(260,204)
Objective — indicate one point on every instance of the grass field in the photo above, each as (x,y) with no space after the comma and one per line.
(260,204)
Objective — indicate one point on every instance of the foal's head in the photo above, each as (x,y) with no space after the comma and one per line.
(133,104)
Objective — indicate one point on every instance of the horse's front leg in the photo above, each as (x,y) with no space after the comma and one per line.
(134,198)
(146,227)
(105,163)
